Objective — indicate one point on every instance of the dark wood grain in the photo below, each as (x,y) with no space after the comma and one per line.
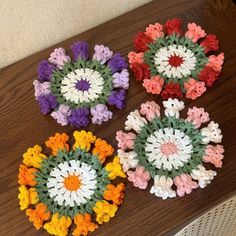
(22,125)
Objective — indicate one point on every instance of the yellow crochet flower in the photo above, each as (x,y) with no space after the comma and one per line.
(104,211)
(27,197)
(83,140)
(114,169)
(33,157)
(58,225)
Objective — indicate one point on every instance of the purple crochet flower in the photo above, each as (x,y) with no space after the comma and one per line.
(47,102)
(80,50)
(121,80)
(117,63)
(79,117)
(102,53)
(117,98)
(41,88)
(45,70)
(62,114)
(100,114)
(58,57)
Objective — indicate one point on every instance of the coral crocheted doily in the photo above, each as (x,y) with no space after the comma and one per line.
(174,63)
(169,149)
(70,185)
(76,90)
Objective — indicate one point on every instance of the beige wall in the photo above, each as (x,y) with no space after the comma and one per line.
(28,26)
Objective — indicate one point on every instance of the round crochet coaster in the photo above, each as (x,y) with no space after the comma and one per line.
(171,62)
(75,90)
(169,149)
(70,185)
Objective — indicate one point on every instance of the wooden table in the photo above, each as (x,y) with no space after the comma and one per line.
(142,214)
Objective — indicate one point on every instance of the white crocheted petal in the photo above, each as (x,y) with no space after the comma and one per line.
(161,60)
(72,94)
(211,133)
(203,176)
(168,136)
(162,187)
(173,107)
(135,121)
(57,189)
(128,160)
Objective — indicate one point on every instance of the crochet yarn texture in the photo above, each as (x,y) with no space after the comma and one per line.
(169,149)
(174,63)
(75,90)
(69,186)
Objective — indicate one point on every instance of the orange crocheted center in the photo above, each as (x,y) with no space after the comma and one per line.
(72,183)
(175,60)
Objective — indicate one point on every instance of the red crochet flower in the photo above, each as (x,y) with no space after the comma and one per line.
(141,71)
(172,90)
(208,75)
(140,41)
(173,26)
(210,43)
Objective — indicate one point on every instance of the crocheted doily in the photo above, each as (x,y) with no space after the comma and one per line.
(75,90)
(172,63)
(169,149)
(69,186)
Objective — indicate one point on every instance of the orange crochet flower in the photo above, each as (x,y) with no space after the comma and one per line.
(84,225)
(39,215)
(58,142)
(115,193)
(26,176)
(102,149)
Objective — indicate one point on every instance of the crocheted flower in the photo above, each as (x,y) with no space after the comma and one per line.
(171,62)
(125,140)
(102,53)
(169,149)
(194,89)
(84,225)
(173,26)
(80,50)
(104,211)
(70,187)
(153,85)
(139,177)
(76,91)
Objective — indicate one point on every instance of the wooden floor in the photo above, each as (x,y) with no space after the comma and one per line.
(142,214)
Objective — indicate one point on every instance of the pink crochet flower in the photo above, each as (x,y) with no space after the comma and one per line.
(197,116)
(194,88)
(153,85)
(184,184)
(214,155)
(195,32)
(135,57)
(139,177)
(125,140)
(58,57)
(150,110)
(216,62)
(155,31)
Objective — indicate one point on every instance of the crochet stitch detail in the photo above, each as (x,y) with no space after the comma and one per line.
(169,149)
(70,186)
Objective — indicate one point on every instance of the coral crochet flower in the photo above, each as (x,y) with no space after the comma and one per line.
(170,62)
(76,91)
(71,186)
(169,148)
